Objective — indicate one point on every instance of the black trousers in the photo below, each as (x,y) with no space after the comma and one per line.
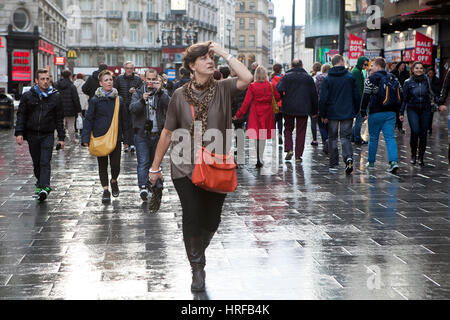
(114,159)
(41,148)
(201,209)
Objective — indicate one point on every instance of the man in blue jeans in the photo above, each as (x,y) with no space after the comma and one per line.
(148,114)
(380,118)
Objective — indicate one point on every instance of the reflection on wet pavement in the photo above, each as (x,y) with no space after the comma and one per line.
(292,231)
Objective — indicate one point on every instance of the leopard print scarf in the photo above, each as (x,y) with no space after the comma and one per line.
(201,104)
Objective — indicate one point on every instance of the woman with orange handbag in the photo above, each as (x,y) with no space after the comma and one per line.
(106,115)
(261,121)
(208,102)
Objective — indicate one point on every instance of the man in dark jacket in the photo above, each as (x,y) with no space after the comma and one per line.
(357,73)
(380,118)
(185,77)
(148,113)
(435,83)
(442,99)
(91,85)
(70,101)
(339,102)
(299,98)
(127,84)
(401,72)
(40,113)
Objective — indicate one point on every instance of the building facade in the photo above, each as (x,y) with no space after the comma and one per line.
(255,22)
(32,36)
(226,26)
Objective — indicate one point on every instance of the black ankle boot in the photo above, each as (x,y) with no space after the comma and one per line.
(413,159)
(196,255)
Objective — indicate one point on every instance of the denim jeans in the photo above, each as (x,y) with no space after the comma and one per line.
(356,131)
(323,128)
(145,153)
(382,121)
(345,134)
(419,121)
(41,148)
(279,122)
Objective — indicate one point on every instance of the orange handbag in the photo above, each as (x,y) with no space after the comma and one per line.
(214,172)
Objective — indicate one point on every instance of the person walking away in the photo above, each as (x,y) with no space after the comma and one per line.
(316,70)
(299,100)
(261,120)
(84,99)
(275,79)
(92,83)
(436,89)
(323,128)
(185,77)
(382,111)
(402,74)
(339,102)
(357,72)
(126,85)
(442,99)
(98,120)
(40,113)
(71,103)
(417,98)
(148,110)
(211,101)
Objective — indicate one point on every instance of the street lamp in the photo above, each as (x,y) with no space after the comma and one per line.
(229,29)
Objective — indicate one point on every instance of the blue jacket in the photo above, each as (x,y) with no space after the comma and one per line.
(339,96)
(370,96)
(298,93)
(99,116)
(416,93)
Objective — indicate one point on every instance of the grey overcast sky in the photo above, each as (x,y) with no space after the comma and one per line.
(283,8)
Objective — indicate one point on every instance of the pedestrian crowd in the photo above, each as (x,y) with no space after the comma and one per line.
(147,114)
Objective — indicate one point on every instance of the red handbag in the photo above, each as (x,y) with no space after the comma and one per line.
(214,172)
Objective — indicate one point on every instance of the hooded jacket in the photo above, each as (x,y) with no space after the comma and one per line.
(91,85)
(138,109)
(40,116)
(69,97)
(401,76)
(358,74)
(339,96)
(99,116)
(298,92)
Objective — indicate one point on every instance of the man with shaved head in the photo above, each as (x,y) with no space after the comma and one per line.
(299,97)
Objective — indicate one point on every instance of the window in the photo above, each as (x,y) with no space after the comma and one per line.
(133,5)
(150,6)
(242,23)
(252,6)
(85,60)
(140,60)
(86,31)
(114,33)
(133,33)
(242,41)
(111,59)
(252,23)
(251,41)
(242,6)
(21,19)
(86,5)
(151,31)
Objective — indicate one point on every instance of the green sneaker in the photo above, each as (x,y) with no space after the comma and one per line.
(370,165)
(44,194)
(37,190)
(393,167)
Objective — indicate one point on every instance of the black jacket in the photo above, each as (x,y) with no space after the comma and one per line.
(138,110)
(298,93)
(445,89)
(181,83)
(40,117)
(416,93)
(99,116)
(401,76)
(69,97)
(339,95)
(91,85)
(123,84)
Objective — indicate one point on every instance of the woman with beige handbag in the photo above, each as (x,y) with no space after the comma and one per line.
(105,126)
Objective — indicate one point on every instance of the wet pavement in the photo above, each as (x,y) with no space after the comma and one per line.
(299,232)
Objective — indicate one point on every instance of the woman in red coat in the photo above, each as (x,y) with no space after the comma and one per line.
(261,120)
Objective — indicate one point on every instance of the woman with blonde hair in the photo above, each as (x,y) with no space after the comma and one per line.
(261,121)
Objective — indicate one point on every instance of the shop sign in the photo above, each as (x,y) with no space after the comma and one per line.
(424,49)
(46,47)
(21,65)
(393,56)
(60,61)
(356,48)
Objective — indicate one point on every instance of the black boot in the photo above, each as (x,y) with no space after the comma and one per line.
(414,157)
(422,149)
(207,237)
(196,255)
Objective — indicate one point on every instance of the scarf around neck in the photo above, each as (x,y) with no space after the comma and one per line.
(45,94)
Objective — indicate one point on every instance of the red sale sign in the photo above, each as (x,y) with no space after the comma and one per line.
(424,49)
(356,47)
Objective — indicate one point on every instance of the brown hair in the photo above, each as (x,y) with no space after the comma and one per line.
(415,64)
(193,52)
(380,61)
(104,73)
(80,76)
(325,68)
(337,58)
(39,71)
(277,68)
(316,68)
